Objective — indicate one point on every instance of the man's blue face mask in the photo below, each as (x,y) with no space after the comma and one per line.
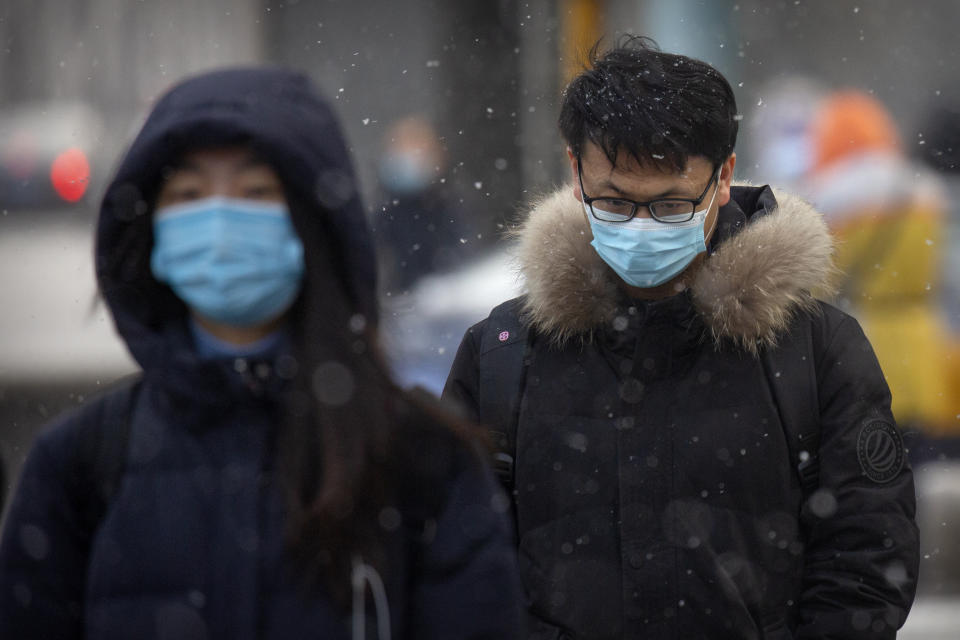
(646,252)
(237,262)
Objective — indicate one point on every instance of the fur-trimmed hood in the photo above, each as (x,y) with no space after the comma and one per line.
(771,250)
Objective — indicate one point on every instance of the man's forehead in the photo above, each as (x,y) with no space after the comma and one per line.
(595,162)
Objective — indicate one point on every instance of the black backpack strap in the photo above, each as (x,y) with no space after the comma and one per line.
(502,372)
(791,372)
(102,448)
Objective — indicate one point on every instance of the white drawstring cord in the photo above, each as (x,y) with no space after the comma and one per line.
(362,575)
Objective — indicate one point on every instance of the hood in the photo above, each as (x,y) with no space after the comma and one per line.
(872,184)
(770,252)
(282,118)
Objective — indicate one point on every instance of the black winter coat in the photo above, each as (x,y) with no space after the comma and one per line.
(192,543)
(654,490)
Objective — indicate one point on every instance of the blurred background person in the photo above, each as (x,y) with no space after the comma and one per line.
(939,149)
(420,226)
(781,141)
(899,273)
(264,475)
(938,483)
(888,214)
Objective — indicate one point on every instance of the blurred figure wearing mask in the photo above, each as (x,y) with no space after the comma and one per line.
(887,214)
(780,128)
(264,477)
(418,227)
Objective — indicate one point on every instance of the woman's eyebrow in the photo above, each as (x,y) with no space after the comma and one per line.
(254,162)
(181,165)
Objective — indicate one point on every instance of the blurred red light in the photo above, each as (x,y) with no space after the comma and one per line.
(70,174)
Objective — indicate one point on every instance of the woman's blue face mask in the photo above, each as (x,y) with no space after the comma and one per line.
(234,261)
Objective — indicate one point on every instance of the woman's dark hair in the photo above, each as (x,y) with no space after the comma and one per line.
(660,108)
(343,449)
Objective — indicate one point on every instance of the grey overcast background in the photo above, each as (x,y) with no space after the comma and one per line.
(487,73)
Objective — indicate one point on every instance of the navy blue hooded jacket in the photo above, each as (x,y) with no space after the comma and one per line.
(192,541)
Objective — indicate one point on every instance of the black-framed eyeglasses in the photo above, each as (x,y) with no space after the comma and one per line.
(668,210)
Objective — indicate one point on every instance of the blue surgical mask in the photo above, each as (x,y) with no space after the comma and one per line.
(646,252)
(237,262)
(405,172)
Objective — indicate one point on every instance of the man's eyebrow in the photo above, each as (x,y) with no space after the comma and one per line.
(607,184)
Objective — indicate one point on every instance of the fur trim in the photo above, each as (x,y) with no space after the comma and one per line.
(747,291)
(755,282)
(569,288)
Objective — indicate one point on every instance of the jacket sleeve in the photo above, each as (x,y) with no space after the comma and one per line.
(461,389)
(44,545)
(468,585)
(862,552)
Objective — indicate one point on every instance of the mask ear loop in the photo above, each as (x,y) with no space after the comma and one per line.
(716,219)
(362,575)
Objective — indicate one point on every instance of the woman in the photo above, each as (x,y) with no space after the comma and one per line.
(273,482)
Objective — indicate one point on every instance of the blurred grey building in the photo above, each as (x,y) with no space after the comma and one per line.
(488,72)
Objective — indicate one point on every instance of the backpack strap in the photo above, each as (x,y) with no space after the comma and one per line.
(791,375)
(502,371)
(101,454)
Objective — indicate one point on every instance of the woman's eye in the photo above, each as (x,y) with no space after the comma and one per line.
(262,191)
(182,195)
(190,194)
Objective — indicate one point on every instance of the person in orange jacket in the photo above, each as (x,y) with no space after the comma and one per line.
(887,214)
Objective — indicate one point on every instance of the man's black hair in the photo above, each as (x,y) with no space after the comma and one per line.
(661,108)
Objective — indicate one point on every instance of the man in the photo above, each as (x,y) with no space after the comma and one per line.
(697,447)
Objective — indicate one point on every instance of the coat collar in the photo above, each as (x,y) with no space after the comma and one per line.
(770,253)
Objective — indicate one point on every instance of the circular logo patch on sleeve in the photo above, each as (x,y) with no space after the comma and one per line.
(880,450)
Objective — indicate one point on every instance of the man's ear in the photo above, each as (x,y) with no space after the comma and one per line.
(573,174)
(726,179)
